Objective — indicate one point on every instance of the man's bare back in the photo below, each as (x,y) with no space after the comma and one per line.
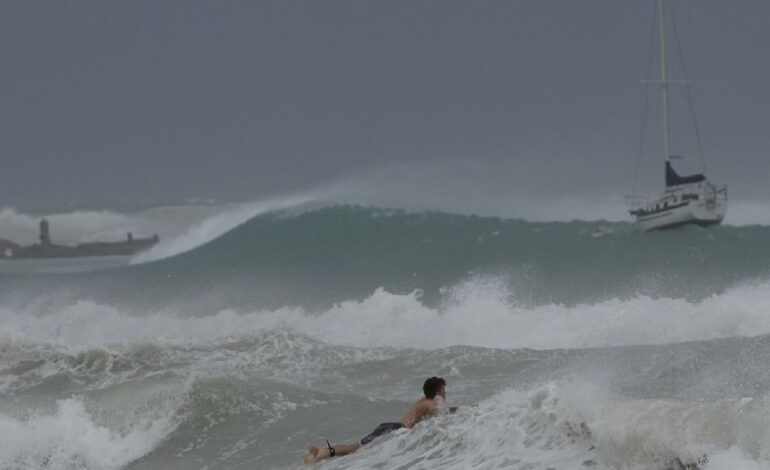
(423,408)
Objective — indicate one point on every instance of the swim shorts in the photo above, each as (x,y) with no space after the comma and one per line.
(380,430)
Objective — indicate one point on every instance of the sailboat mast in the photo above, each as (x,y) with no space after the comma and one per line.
(664,76)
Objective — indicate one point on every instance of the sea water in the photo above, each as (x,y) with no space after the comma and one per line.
(253,331)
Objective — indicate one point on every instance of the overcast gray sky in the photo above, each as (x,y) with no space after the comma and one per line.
(145,101)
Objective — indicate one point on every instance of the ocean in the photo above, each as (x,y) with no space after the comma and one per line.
(253,331)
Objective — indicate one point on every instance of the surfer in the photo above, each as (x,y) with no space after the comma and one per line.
(434,389)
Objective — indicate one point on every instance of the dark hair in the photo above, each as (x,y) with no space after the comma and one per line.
(431,386)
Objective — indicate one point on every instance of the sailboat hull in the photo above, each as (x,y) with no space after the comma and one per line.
(703,213)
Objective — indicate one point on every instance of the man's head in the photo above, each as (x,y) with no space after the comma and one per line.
(434,386)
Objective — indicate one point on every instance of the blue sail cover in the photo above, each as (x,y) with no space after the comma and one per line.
(673,179)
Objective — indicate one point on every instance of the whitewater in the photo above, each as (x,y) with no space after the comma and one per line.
(256,330)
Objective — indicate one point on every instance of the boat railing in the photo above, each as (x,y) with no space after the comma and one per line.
(720,192)
(708,192)
(712,194)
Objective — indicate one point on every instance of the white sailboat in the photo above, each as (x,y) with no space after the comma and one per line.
(691,199)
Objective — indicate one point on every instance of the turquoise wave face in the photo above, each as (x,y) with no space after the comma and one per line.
(326,255)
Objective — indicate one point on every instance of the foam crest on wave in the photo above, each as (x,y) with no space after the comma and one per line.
(475,313)
(277,354)
(216,225)
(481,313)
(181,227)
(70,438)
(635,433)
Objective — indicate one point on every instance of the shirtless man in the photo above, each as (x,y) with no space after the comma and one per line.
(424,408)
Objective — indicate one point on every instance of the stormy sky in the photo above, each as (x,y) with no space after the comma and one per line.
(143,102)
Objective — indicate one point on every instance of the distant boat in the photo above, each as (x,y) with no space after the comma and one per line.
(600,232)
(691,199)
(47,249)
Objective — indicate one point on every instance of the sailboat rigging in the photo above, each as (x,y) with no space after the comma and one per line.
(691,199)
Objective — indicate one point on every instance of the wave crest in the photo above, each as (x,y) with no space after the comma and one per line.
(480,312)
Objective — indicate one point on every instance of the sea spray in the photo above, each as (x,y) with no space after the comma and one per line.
(71,437)
(629,350)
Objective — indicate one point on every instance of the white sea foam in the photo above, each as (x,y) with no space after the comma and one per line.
(735,458)
(632,433)
(574,426)
(538,428)
(511,430)
(476,313)
(70,438)
(577,426)
(481,314)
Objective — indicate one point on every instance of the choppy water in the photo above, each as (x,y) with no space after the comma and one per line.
(256,330)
